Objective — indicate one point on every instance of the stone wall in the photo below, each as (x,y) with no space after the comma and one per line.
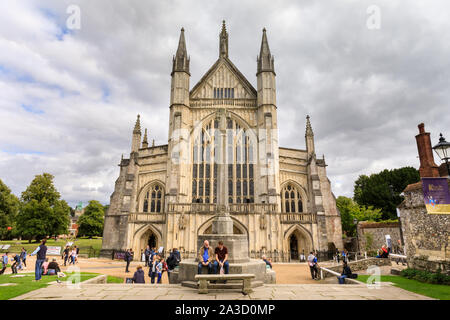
(378,232)
(426,235)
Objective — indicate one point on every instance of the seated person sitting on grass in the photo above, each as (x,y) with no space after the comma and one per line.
(221,253)
(53,269)
(346,273)
(205,257)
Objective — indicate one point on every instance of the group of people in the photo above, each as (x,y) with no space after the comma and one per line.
(18,261)
(341,255)
(70,254)
(156,264)
(216,261)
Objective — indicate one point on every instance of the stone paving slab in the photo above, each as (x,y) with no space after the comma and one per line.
(177,292)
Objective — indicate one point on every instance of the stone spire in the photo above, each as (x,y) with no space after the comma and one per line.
(181,59)
(309,130)
(223,41)
(145,142)
(136,141)
(265,59)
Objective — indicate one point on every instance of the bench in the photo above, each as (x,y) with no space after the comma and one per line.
(204,278)
(347,280)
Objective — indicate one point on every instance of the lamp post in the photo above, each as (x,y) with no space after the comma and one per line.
(443,151)
(355,221)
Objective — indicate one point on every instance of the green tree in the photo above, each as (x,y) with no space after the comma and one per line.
(9,207)
(91,221)
(382,190)
(350,210)
(42,212)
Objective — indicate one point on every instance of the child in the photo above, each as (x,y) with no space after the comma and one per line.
(159,269)
(4,262)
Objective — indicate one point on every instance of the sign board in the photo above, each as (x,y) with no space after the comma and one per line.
(436,195)
(53,251)
(119,255)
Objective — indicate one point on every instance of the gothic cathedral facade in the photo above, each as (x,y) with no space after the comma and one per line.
(166,195)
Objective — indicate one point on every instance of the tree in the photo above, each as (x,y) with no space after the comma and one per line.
(350,210)
(42,213)
(9,207)
(382,190)
(91,221)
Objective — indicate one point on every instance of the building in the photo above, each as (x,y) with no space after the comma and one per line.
(166,195)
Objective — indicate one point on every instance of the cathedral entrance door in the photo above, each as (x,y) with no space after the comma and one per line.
(152,241)
(293,246)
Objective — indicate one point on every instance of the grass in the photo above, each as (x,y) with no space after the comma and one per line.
(83,243)
(112,279)
(25,284)
(436,291)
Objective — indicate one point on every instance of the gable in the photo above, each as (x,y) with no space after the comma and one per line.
(223,74)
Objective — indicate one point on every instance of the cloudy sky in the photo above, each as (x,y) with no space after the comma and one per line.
(69,97)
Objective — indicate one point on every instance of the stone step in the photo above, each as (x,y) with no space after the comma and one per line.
(229,285)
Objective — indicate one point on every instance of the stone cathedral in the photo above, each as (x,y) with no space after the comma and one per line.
(167,195)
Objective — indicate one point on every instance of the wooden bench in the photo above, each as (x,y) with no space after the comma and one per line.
(204,278)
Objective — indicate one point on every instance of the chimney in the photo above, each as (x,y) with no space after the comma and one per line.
(427,166)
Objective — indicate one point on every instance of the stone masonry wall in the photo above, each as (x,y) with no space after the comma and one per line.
(378,232)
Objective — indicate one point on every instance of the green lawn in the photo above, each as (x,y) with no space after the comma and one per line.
(436,291)
(25,284)
(83,243)
(112,279)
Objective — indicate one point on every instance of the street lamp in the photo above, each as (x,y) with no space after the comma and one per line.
(355,221)
(443,151)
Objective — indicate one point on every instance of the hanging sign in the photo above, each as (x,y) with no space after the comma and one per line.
(436,195)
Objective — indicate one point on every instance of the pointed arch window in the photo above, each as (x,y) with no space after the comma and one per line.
(154,199)
(239,160)
(291,201)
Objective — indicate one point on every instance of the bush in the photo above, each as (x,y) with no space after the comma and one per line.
(426,276)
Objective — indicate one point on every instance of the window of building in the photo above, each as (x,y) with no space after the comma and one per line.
(239,164)
(291,201)
(154,199)
(223,93)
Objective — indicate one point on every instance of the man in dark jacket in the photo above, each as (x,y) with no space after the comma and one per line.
(147,253)
(128,258)
(41,254)
(139,276)
(346,273)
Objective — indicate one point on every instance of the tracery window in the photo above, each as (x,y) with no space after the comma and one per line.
(291,201)
(154,199)
(239,162)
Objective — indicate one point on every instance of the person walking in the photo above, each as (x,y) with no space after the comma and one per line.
(4,262)
(313,265)
(66,255)
(41,255)
(138,276)
(147,255)
(73,256)
(23,257)
(152,270)
(16,260)
(338,255)
(160,269)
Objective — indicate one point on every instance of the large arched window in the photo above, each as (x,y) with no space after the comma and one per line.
(154,199)
(239,163)
(291,201)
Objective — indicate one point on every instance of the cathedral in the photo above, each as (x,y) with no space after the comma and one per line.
(166,195)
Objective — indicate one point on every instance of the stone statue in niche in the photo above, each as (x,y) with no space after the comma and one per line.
(182,222)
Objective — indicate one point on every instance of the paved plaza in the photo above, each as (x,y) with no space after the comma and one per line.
(176,292)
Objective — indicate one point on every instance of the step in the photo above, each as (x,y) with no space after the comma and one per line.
(228,285)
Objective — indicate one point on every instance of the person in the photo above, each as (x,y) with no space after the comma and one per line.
(4,262)
(45,267)
(73,256)
(152,268)
(53,268)
(16,260)
(338,256)
(128,258)
(159,269)
(345,255)
(346,273)
(302,256)
(23,257)
(172,261)
(147,253)
(383,253)
(41,255)
(77,252)
(142,256)
(268,263)
(313,265)
(205,257)
(66,255)
(138,276)
(221,261)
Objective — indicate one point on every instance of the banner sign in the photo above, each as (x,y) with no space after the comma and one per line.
(53,251)
(436,195)
(119,255)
